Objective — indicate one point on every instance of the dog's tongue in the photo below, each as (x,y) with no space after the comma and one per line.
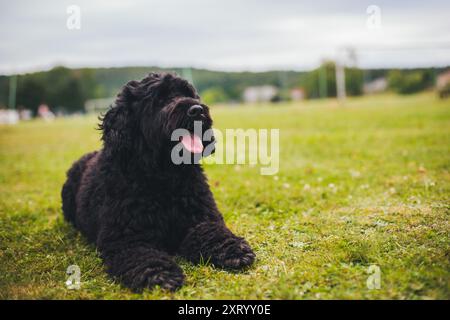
(192,143)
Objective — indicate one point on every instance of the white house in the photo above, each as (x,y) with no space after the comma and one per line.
(259,94)
(375,86)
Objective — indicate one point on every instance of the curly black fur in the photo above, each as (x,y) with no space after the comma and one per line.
(139,208)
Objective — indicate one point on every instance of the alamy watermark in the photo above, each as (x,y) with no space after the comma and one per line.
(73,282)
(234,146)
(73,21)
(373,21)
(374,279)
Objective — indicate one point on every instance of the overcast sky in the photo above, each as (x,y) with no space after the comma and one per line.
(223,35)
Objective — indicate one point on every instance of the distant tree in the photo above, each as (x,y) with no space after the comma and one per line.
(354,81)
(71,97)
(4,90)
(69,88)
(213,95)
(66,90)
(321,82)
(89,87)
(410,81)
(31,92)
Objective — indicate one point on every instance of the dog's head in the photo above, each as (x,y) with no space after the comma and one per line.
(147,112)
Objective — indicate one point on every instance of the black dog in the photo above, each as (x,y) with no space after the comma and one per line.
(135,204)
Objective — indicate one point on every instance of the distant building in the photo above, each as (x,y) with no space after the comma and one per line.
(443,80)
(297,94)
(25,114)
(9,116)
(375,86)
(98,105)
(443,84)
(45,113)
(260,94)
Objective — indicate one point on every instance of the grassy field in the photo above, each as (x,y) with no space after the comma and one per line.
(363,184)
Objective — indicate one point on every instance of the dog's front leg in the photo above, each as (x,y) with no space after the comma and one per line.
(138,265)
(214,242)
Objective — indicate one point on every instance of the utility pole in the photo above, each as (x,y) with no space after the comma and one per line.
(340,81)
(340,74)
(12,92)
(323,85)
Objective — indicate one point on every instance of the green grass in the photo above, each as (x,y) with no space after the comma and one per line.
(366,183)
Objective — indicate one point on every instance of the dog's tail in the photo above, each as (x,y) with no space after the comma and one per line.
(71,186)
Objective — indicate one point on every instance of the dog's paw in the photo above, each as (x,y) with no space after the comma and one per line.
(168,278)
(238,255)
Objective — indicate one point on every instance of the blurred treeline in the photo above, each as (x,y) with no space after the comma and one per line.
(66,90)
(412,81)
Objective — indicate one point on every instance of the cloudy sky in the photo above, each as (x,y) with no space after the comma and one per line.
(223,35)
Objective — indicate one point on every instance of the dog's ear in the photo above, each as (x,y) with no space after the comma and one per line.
(116,123)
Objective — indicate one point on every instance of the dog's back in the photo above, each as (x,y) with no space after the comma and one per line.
(72,185)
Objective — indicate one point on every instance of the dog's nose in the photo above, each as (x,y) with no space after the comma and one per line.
(195,110)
